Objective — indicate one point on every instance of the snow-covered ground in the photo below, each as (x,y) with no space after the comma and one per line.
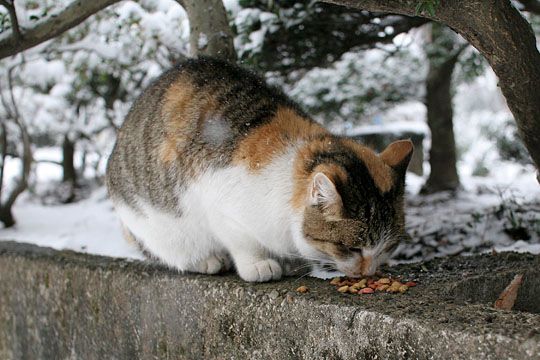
(86,226)
(501,213)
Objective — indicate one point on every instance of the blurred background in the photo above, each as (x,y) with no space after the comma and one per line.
(375,77)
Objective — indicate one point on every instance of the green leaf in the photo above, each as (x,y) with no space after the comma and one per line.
(418,9)
(430,8)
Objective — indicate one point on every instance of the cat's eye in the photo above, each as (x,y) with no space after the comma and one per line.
(356,250)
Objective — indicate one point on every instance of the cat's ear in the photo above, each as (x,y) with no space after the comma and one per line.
(323,192)
(398,154)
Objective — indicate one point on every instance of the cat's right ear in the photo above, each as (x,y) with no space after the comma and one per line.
(323,192)
(398,154)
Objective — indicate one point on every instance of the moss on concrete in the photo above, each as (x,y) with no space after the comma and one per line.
(57,304)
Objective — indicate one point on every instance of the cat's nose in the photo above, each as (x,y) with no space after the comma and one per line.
(366,267)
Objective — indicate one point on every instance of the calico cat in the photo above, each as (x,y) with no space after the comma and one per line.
(212,167)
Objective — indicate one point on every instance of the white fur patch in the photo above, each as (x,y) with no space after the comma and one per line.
(247,215)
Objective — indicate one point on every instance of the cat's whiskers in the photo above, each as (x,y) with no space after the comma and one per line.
(303,266)
(302,257)
(323,266)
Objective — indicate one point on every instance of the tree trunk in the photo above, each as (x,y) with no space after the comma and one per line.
(442,154)
(68,161)
(6,217)
(210,33)
(499,31)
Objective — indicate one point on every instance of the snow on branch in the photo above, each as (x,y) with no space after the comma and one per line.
(20,39)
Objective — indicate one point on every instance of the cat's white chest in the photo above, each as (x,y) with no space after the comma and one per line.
(224,210)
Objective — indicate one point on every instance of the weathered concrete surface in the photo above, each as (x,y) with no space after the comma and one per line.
(60,305)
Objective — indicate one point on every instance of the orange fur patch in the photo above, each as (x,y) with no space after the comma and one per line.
(382,174)
(179,113)
(128,236)
(184,111)
(167,151)
(263,144)
(365,264)
(302,179)
(397,152)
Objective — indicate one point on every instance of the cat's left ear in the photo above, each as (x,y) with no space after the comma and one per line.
(398,154)
(323,192)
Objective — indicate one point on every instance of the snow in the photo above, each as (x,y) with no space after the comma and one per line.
(391,127)
(520,246)
(202,42)
(478,219)
(88,226)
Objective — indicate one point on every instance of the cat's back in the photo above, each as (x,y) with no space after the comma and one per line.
(194,117)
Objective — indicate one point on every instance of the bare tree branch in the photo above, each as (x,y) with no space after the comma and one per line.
(46,161)
(10,6)
(3,148)
(54,25)
(22,184)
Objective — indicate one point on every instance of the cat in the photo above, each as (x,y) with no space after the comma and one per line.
(214,168)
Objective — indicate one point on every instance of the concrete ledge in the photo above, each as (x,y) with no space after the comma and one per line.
(59,305)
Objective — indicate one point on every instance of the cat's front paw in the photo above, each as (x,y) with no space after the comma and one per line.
(213,264)
(260,271)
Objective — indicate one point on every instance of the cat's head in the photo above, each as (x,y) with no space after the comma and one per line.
(353,212)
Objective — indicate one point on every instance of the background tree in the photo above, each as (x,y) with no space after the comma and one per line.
(286,36)
(502,35)
(443,51)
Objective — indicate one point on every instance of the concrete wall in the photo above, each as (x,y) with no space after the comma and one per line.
(64,305)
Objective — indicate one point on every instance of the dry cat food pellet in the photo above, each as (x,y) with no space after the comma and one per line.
(370,285)
(302,289)
(367,291)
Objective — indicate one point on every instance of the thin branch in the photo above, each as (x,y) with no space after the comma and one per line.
(45,161)
(10,6)
(54,25)
(3,146)
(27,149)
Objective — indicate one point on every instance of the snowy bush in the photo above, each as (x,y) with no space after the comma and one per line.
(361,84)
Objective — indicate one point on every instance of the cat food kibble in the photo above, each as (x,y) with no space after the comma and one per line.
(369,285)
